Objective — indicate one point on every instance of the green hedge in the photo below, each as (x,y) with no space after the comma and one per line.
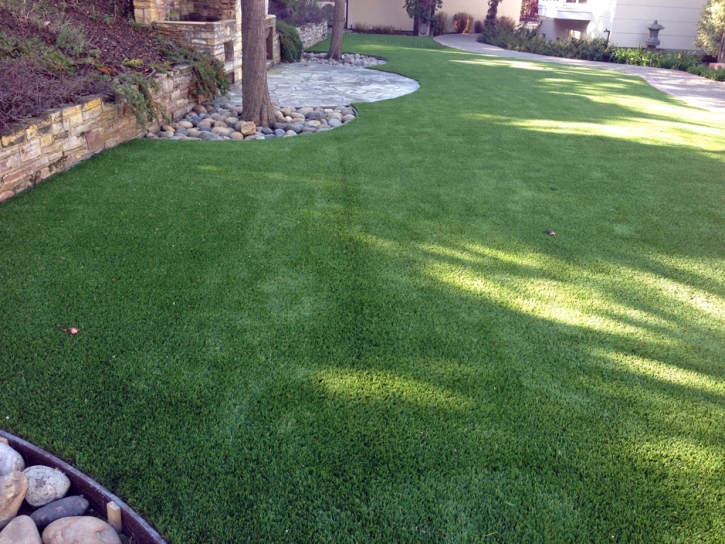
(597,49)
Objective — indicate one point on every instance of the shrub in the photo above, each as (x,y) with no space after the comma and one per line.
(70,40)
(440,23)
(297,12)
(505,24)
(462,22)
(329,10)
(290,44)
(478,27)
(710,27)
(596,49)
(383,29)
(209,79)
(136,92)
(529,10)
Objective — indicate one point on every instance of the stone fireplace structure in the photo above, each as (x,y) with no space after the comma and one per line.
(211,26)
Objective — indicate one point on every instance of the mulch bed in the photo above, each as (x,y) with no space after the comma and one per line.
(29,88)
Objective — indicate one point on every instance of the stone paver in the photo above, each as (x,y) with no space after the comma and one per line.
(695,91)
(310,84)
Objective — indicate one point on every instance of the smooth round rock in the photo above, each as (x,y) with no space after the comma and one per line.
(199,109)
(21,530)
(80,530)
(209,136)
(237,136)
(45,484)
(194,133)
(166,134)
(63,508)
(185,124)
(267,131)
(314,116)
(279,132)
(13,488)
(348,118)
(290,133)
(334,123)
(246,128)
(10,460)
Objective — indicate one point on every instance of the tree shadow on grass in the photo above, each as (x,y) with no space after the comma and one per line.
(385,345)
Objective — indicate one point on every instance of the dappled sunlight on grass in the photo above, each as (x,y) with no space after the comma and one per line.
(657,370)
(652,132)
(379,386)
(549,288)
(507,63)
(356,337)
(541,297)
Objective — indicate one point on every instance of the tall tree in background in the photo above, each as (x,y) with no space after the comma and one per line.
(255,92)
(338,27)
(490,21)
(421,11)
(711,27)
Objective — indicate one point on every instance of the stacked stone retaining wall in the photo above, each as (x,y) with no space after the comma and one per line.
(65,136)
(312,33)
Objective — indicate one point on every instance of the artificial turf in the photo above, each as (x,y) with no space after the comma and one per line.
(367,335)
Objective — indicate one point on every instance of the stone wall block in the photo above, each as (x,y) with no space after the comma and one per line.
(14,139)
(73,142)
(8,163)
(65,136)
(30,151)
(94,140)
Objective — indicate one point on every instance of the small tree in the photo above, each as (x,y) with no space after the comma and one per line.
(490,22)
(422,11)
(338,27)
(711,27)
(257,106)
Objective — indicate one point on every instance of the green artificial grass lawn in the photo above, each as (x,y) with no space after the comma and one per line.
(367,336)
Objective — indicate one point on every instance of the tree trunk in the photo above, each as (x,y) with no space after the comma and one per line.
(338,26)
(721,56)
(255,92)
(416,24)
(433,7)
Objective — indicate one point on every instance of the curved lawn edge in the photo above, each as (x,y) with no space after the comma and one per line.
(134,526)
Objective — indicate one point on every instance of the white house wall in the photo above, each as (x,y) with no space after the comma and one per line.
(628,21)
(679,17)
(392,13)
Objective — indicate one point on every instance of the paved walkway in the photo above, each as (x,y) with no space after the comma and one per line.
(695,91)
(312,84)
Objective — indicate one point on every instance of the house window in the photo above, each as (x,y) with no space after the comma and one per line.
(576,1)
(574,34)
(228,51)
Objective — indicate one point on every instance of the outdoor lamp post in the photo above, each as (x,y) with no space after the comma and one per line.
(653,41)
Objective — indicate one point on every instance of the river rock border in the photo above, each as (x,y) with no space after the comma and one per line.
(132,525)
(216,122)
